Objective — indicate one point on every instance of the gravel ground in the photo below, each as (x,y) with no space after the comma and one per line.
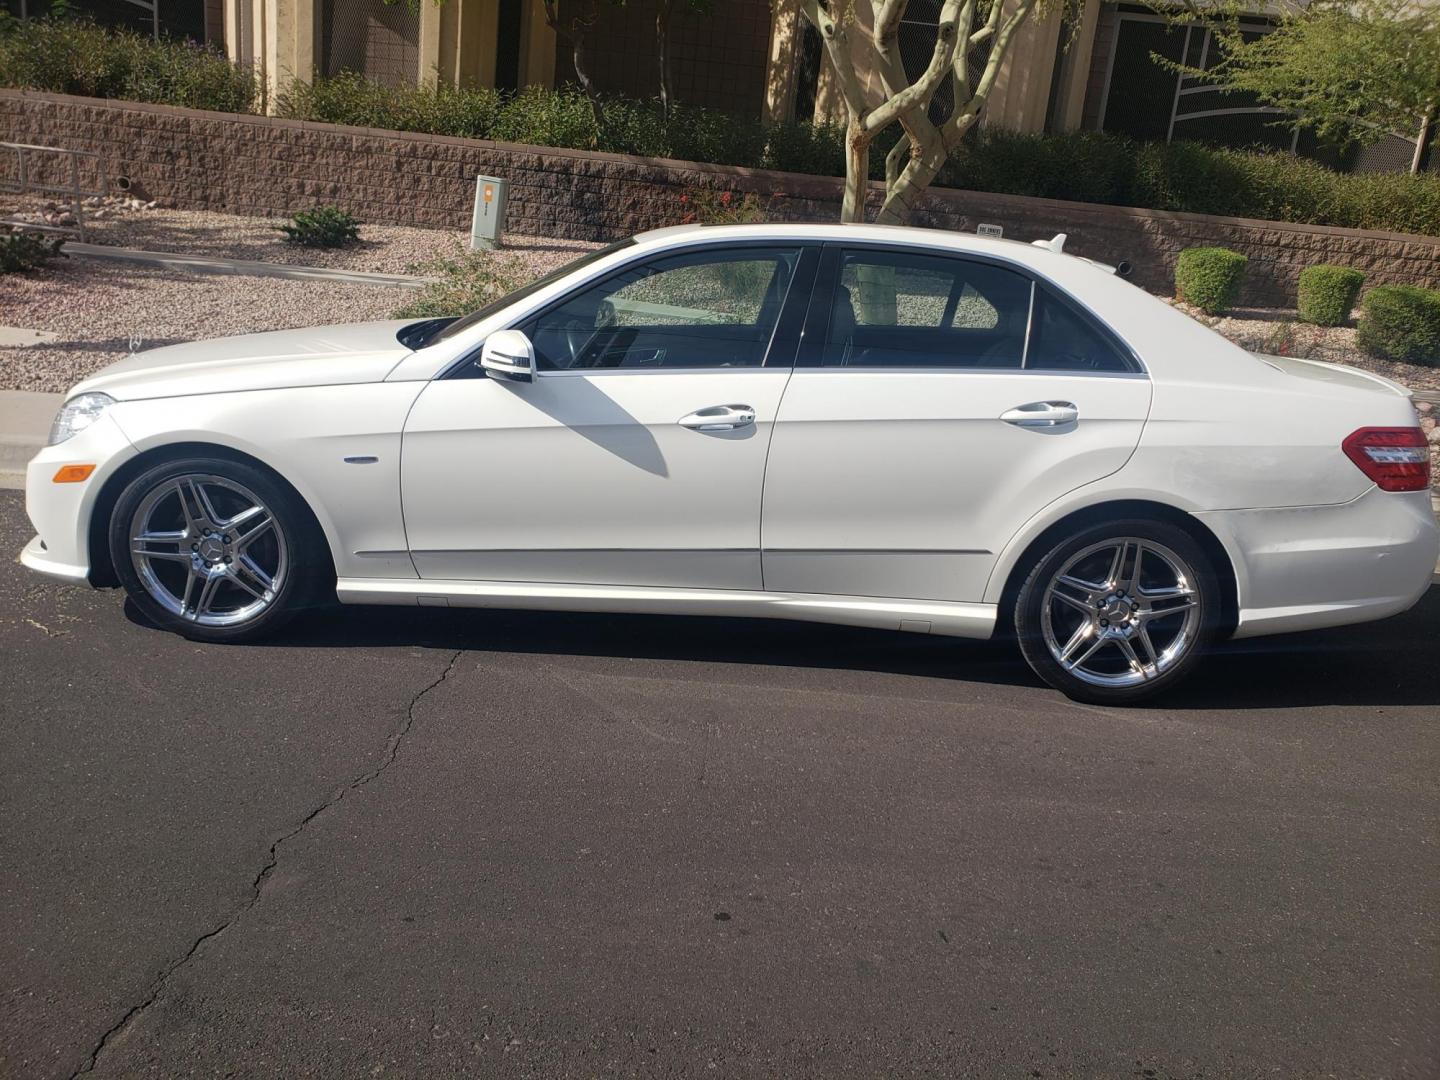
(382,249)
(98,307)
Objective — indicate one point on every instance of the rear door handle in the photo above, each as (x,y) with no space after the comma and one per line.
(719,418)
(1041,414)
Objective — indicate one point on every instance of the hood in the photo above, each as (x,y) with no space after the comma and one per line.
(1336,375)
(318,356)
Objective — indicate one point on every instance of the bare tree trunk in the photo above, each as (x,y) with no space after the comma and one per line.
(664,10)
(1422,140)
(575,35)
(857,171)
(903,193)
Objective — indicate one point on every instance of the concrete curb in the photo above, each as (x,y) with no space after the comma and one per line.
(208,264)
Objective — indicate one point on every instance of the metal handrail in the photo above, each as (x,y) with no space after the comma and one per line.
(24,184)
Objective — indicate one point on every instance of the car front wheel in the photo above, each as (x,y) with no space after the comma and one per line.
(216,550)
(1118,612)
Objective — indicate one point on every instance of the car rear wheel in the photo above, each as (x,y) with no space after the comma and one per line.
(213,549)
(1118,612)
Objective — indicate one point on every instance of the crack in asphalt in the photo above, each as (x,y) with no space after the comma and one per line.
(257,886)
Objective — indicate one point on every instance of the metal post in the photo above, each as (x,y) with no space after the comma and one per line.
(75,195)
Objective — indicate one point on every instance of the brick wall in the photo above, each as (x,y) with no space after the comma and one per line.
(261,165)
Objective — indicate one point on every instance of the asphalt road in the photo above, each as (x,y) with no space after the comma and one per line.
(421,843)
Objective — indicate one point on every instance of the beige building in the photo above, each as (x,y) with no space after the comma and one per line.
(745,58)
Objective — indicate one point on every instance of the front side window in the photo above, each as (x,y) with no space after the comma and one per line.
(909,309)
(707,309)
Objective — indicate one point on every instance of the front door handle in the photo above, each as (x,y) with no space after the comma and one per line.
(1042,414)
(719,418)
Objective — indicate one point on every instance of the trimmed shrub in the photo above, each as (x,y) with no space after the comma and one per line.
(464,281)
(323,227)
(1209,278)
(1328,293)
(1401,322)
(21,250)
(67,56)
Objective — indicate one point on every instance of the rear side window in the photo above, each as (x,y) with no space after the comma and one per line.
(909,310)
(1061,339)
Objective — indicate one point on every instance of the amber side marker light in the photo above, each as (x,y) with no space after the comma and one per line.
(73,474)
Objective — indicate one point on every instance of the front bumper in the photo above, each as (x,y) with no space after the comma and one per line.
(1308,567)
(36,556)
(61,512)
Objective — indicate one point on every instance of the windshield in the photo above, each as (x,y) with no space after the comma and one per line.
(441,330)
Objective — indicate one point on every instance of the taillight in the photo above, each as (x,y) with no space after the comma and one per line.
(1396,458)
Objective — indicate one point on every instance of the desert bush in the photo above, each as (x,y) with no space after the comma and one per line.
(464,281)
(22,250)
(1209,278)
(323,227)
(703,206)
(1328,293)
(1401,322)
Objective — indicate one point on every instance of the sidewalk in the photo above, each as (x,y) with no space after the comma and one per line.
(24,428)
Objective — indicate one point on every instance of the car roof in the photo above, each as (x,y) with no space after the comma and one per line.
(1019,251)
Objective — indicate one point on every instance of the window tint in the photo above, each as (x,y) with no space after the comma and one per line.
(894,309)
(1063,340)
(705,309)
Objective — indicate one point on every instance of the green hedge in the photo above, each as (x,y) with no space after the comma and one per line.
(1209,278)
(73,57)
(1189,177)
(1401,322)
(1328,293)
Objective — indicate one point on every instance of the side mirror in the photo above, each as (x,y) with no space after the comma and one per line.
(508,354)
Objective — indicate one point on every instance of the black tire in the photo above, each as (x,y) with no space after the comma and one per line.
(293,545)
(1164,547)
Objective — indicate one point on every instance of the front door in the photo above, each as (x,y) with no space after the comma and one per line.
(637,454)
(940,402)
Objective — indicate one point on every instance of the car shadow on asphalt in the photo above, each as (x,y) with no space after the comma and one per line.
(1393,662)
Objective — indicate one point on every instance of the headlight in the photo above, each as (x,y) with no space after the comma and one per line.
(77,414)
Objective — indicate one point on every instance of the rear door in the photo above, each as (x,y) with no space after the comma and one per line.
(940,401)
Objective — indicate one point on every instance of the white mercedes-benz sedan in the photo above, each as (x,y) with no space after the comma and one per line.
(883,427)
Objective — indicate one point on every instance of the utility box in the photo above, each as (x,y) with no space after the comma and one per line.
(488,225)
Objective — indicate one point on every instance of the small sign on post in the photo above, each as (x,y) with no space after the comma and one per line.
(990,232)
(488,224)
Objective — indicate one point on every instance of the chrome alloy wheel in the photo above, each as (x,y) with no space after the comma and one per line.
(1121,612)
(208,550)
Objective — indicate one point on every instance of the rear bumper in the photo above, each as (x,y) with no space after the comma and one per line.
(1304,568)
